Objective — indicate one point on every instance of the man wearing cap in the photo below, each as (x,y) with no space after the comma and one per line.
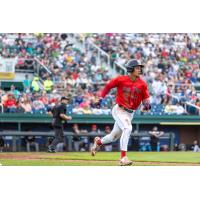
(132,91)
(59,117)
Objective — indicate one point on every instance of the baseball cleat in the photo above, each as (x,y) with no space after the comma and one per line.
(95,146)
(125,161)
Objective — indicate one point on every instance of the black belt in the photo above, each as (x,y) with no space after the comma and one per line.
(126,109)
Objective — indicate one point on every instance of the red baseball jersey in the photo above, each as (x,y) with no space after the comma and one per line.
(130,93)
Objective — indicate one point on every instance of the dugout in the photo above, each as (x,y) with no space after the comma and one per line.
(15,139)
(183,132)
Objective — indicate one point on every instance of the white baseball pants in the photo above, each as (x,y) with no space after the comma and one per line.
(122,128)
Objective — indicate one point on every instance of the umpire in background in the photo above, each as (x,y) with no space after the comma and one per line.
(59,117)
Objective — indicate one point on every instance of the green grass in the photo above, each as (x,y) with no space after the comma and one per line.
(101,159)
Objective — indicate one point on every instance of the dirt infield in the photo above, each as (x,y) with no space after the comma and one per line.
(51,159)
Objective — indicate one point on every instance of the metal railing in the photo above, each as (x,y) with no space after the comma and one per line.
(186,104)
(38,69)
(197,109)
(119,68)
(87,46)
(102,57)
(41,68)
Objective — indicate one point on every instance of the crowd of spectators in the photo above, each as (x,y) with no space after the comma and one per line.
(71,72)
(171,60)
(15,101)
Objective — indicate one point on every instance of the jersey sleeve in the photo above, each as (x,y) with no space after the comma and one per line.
(111,84)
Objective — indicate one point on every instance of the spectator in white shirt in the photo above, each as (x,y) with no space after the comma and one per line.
(195,147)
(179,109)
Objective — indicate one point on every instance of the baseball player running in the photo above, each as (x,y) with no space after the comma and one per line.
(131,92)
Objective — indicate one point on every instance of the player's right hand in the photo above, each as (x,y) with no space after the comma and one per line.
(97,102)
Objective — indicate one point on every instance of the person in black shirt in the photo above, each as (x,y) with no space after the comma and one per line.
(59,117)
(79,138)
(154,138)
(2,143)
